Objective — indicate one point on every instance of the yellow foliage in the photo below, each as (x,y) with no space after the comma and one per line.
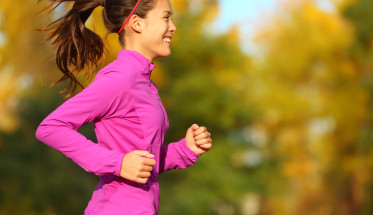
(309,91)
(8,101)
(299,169)
(20,55)
(179,5)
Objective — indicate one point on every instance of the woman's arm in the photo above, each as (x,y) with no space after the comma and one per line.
(176,155)
(179,155)
(59,129)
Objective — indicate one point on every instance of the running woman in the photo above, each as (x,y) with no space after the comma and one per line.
(129,119)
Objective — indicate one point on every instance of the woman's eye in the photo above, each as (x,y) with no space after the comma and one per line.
(166,17)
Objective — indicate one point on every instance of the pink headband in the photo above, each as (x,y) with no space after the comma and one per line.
(128,18)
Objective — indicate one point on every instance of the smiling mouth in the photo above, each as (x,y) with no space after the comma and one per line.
(167,40)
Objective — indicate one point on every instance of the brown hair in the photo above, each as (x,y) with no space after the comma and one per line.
(77,47)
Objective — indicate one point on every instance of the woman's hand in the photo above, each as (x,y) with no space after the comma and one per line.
(137,166)
(198,139)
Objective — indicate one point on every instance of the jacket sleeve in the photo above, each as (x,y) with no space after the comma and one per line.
(59,129)
(177,155)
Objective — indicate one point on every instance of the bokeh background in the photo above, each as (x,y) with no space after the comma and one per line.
(289,104)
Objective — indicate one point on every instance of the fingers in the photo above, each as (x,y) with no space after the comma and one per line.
(144,153)
(206,146)
(143,175)
(141,180)
(137,166)
(194,127)
(200,130)
(204,141)
(146,168)
(148,161)
(202,136)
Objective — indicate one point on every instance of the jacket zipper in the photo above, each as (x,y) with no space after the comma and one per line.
(158,99)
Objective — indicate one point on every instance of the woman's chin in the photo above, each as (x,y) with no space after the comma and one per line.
(164,54)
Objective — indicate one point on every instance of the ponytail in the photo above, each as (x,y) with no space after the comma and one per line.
(77,47)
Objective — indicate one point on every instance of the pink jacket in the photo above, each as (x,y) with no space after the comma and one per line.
(128,115)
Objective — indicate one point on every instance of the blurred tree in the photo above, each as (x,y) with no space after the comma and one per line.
(315,110)
(18,45)
(361,51)
(27,186)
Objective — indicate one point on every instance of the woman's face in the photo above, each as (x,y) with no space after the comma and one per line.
(158,30)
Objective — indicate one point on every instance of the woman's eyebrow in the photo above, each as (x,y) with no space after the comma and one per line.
(169,12)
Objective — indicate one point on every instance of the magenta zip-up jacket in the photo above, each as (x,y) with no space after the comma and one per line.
(128,115)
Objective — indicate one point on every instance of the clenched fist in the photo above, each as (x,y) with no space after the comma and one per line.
(137,166)
(198,139)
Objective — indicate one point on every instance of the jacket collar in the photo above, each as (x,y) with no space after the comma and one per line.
(137,60)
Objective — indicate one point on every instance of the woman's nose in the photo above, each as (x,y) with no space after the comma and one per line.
(172,27)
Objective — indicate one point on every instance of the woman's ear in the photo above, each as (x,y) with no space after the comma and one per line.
(136,23)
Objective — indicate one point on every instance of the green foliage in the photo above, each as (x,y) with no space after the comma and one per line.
(362,52)
(34,178)
(360,15)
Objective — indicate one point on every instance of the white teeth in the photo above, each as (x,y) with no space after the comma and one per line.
(167,40)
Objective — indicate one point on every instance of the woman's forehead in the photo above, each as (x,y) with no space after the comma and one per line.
(163,6)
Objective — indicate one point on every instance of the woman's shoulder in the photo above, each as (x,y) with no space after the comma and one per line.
(119,73)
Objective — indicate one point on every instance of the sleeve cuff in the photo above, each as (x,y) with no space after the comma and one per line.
(118,165)
(190,153)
